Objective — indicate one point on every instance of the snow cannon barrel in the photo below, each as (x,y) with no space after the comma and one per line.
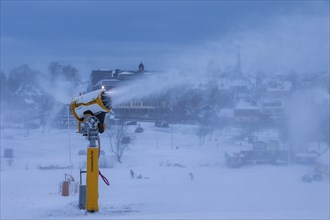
(96,103)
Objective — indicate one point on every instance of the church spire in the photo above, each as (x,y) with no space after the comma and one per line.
(141,67)
(238,68)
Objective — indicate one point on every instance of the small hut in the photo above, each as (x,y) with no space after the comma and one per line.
(322,164)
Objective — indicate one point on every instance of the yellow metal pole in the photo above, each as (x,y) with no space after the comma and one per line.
(92,176)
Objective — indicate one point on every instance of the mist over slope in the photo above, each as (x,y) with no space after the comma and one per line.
(226,118)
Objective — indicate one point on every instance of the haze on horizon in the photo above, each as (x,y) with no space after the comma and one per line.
(272,35)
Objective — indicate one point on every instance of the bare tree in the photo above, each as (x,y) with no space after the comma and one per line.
(54,70)
(202,131)
(119,141)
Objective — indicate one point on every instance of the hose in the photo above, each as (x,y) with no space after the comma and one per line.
(105,180)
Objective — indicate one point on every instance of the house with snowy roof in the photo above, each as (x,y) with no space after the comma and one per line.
(274,98)
(110,79)
(322,164)
(246,114)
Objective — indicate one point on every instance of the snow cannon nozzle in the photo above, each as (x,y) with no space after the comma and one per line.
(96,103)
(106,100)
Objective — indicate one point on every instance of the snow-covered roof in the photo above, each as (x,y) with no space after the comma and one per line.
(245,105)
(126,73)
(273,103)
(226,112)
(235,154)
(267,134)
(105,81)
(109,80)
(104,70)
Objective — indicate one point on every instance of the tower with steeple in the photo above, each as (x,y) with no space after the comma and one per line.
(141,67)
(237,69)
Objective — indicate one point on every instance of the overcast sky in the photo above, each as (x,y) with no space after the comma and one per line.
(114,34)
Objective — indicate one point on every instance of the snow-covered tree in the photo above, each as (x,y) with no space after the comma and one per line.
(20,76)
(4,86)
(119,141)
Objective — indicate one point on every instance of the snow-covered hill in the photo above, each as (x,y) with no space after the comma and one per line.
(166,189)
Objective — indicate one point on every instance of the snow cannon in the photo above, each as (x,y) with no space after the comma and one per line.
(96,103)
(90,110)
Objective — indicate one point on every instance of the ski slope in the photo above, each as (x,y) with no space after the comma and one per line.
(166,190)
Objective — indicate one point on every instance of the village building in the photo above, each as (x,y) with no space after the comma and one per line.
(322,164)
(246,113)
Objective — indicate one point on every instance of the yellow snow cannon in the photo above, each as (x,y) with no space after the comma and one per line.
(89,110)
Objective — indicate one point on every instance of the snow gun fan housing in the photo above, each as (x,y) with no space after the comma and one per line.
(96,103)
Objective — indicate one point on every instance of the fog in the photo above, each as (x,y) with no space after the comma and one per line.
(234,108)
(306,112)
(284,45)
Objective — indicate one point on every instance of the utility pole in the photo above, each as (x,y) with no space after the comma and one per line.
(157,142)
(172,138)
(69,139)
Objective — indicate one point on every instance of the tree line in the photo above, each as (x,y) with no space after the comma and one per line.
(28,94)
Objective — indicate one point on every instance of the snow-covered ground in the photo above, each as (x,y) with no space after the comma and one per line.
(166,190)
